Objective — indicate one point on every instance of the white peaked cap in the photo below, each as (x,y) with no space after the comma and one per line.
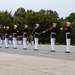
(37,25)
(26,25)
(4,27)
(54,24)
(7,27)
(15,25)
(68,22)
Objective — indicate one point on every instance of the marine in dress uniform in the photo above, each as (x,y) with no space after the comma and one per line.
(35,33)
(25,32)
(53,31)
(67,31)
(7,32)
(0,37)
(15,37)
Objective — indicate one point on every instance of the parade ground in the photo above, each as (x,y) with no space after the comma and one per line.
(41,62)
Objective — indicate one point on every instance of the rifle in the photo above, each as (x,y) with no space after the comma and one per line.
(44,31)
(31,36)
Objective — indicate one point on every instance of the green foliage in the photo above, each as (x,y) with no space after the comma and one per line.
(20,12)
(71,17)
(44,17)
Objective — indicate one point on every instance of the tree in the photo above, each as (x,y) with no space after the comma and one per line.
(71,17)
(20,12)
(6,18)
(44,17)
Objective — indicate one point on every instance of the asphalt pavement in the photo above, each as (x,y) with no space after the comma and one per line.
(41,62)
(43,51)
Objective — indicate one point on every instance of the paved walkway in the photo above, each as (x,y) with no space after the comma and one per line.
(42,62)
(15,64)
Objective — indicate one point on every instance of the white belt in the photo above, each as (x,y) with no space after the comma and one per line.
(24,33)
(6,34)
(14,33)
(36,33)
(53,33)
(68,33)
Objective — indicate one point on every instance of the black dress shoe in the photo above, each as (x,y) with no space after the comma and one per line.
(36,49)
(67,52)
(14,48)
(52,50)
(24,48)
